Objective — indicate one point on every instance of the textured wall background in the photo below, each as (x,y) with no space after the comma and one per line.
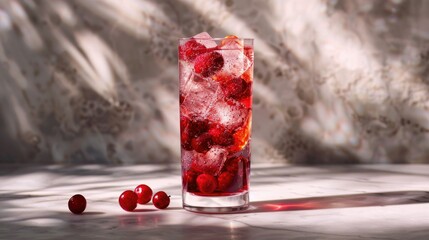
(95,81)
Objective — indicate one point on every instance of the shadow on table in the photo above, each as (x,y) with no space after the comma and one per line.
(341,201)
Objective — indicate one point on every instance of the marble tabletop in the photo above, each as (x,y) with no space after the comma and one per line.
(287,202)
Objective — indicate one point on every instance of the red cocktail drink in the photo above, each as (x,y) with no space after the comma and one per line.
(216,78)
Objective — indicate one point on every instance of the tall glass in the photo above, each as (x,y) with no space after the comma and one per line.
(216,78)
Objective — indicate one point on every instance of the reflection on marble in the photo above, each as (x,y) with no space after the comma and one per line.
(96,81)
(287,202)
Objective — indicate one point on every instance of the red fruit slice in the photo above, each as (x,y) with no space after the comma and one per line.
(202,143)
(206,183)
(208,64)
(233,41)
(221,136)
(242,136)
(190,50)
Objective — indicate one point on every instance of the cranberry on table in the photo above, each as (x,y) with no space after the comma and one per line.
(128,200)
(144,193)
(77,204)
(161,200)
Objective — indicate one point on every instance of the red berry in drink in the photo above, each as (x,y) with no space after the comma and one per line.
(77,204)
(221,136)
(181,98)
(247,102)
(190,50)
(206,183)
(128,200)
(144,193)
(233,88)
(186,140)
(161,200)
(232,165)
(197,127)
(184,121)
(208,64)
(190,180)
(202,143)
(236,88)
(225,180)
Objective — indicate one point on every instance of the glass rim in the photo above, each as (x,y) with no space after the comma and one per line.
(214,39)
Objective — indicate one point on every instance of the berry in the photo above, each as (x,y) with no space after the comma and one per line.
(186,140)
(247,102)
(233,164)
(206,183)
(161,200)
(128,200)
(184,121)
(144,193)
(192,130)
(225,180)
(197,127)
(208,64)
(202,143)
(221,136)
(77,204)
(181,98)
(236,88)
(190,50)
(190,180)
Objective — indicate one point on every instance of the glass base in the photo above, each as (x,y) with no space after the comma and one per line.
(211,204)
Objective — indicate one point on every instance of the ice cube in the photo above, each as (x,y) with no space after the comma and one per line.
(205,39)
(235,61)
(210,162)
(229,113)
(187,157)
(199,95)
(186,74)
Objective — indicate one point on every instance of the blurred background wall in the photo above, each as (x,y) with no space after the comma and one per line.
(95,81)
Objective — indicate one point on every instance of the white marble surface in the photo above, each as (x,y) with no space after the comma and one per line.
(288,202)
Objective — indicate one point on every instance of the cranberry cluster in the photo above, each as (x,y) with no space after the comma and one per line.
(128,200)
(231,178)
(142,195)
